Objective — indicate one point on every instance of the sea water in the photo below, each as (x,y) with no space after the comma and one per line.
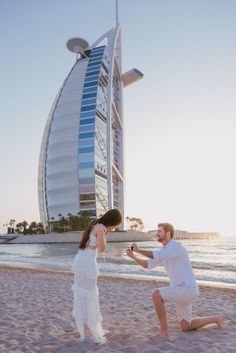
(213,260)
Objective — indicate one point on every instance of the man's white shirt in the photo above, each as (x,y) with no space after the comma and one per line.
(174,258)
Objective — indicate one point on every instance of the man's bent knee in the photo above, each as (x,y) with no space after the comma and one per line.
(185,325)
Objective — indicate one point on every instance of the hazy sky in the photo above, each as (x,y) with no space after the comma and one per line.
(180,120)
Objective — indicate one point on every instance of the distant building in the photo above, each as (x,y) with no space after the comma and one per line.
(184,234)
(81,166)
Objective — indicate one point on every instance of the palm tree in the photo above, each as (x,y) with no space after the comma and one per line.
(5,225)
(51,224)
(24,225)
(84,219)
(11,224)
(140,224)
(19,227)
(33,226)
(128,222)
(63,223)
(69,218)
(74,221)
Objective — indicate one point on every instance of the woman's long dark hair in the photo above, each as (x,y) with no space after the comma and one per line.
(111,218)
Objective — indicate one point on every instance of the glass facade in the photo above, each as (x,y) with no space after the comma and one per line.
(93,190)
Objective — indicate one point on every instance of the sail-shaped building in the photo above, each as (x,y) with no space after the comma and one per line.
(81,165)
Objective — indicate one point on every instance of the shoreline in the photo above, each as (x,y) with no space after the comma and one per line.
(75,237)
(129,236)
(125,276)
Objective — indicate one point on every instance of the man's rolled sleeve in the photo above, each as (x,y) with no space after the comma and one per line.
(153,262)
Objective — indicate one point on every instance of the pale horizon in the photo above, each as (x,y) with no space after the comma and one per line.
(180,120)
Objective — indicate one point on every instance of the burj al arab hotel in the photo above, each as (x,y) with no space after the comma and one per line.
(81,165)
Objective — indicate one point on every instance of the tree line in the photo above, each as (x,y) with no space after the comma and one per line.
(60,225)
(134,224)
(24,227)
(65,224)
(70,223)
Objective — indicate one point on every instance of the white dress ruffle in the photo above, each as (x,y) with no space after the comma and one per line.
(86,310)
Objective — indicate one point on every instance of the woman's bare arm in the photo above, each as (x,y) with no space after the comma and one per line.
(100,232)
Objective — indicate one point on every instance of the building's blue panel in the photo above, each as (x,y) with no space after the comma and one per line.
(86,149)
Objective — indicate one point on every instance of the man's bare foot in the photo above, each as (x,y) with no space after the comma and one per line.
(220,321)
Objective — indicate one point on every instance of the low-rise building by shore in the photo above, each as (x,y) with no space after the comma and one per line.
(183,234)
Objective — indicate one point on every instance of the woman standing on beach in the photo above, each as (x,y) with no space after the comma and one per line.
(86,309)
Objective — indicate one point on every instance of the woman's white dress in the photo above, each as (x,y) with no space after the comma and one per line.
(86,309)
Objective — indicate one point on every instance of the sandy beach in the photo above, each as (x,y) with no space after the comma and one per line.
(36,306)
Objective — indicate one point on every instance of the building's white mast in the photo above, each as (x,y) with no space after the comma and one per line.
(117,13)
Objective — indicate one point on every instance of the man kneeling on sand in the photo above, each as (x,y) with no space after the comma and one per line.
(183,288)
